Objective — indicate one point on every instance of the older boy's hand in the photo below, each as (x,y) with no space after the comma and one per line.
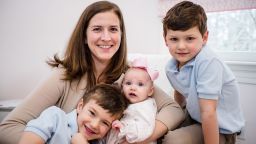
(78,138)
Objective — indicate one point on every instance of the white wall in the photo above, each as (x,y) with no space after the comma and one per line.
(248,101)
(31,31)
(245,74)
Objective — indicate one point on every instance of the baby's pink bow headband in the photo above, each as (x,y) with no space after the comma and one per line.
(142,63)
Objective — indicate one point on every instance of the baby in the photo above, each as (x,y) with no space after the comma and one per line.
(138,121)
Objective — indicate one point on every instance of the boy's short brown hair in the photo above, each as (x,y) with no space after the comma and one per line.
(184,16)
(109,97)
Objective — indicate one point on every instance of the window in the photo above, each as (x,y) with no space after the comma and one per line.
(233,34)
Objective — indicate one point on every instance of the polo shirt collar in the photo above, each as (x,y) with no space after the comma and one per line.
(72,122)
(174,68)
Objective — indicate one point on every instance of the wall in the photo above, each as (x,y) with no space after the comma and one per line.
(245,74)
(31,31)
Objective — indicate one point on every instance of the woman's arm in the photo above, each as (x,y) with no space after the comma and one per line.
(159,131)
(179,99)
(45,95)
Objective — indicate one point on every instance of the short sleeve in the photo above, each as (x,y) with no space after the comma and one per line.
(46,123)
(209,79)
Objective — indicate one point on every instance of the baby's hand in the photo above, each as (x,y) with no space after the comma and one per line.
(117,125)
(78,138)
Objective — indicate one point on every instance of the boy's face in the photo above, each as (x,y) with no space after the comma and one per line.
(137,85)
(185,45)
(93,121)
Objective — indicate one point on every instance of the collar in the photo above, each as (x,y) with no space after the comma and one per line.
(72,122)
(174,63)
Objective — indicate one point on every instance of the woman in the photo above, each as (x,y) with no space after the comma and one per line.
(96,53)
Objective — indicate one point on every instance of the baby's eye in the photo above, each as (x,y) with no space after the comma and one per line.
(128,83)
(141,84)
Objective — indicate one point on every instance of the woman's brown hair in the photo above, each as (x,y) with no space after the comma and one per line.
(78,60)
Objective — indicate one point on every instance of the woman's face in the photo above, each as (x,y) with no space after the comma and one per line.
(104,36)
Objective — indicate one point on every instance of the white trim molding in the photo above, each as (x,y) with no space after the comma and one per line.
(245,72)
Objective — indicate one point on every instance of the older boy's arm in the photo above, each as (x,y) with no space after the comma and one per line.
(31,138)
(209,121)
(180,99)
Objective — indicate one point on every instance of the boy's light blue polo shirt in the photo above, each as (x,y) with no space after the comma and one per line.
(207,77)
(54,125)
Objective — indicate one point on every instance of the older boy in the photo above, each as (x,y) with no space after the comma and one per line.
(202,82)
(92,119)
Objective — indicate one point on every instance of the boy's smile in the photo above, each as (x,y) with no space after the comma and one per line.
(185,45)
(93,121)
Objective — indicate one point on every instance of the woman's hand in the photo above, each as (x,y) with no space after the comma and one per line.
(78,138)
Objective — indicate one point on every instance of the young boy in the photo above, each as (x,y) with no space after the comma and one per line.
(92,118)
(138,121)
(202,82)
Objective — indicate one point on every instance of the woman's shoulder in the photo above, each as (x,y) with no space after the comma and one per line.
(58,72)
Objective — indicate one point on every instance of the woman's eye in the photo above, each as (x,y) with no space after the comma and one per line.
(96,29)
(114,29)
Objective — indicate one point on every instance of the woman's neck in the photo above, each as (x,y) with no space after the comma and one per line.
(100,66)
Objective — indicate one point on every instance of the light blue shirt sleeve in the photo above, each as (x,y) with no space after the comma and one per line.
(209,79)
(45,125)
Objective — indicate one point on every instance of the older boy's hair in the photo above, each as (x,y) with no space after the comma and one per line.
(109,97)
(184,16)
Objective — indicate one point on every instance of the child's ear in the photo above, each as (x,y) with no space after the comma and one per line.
(165,39)
(80,106)
(205,37)
(151,91)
